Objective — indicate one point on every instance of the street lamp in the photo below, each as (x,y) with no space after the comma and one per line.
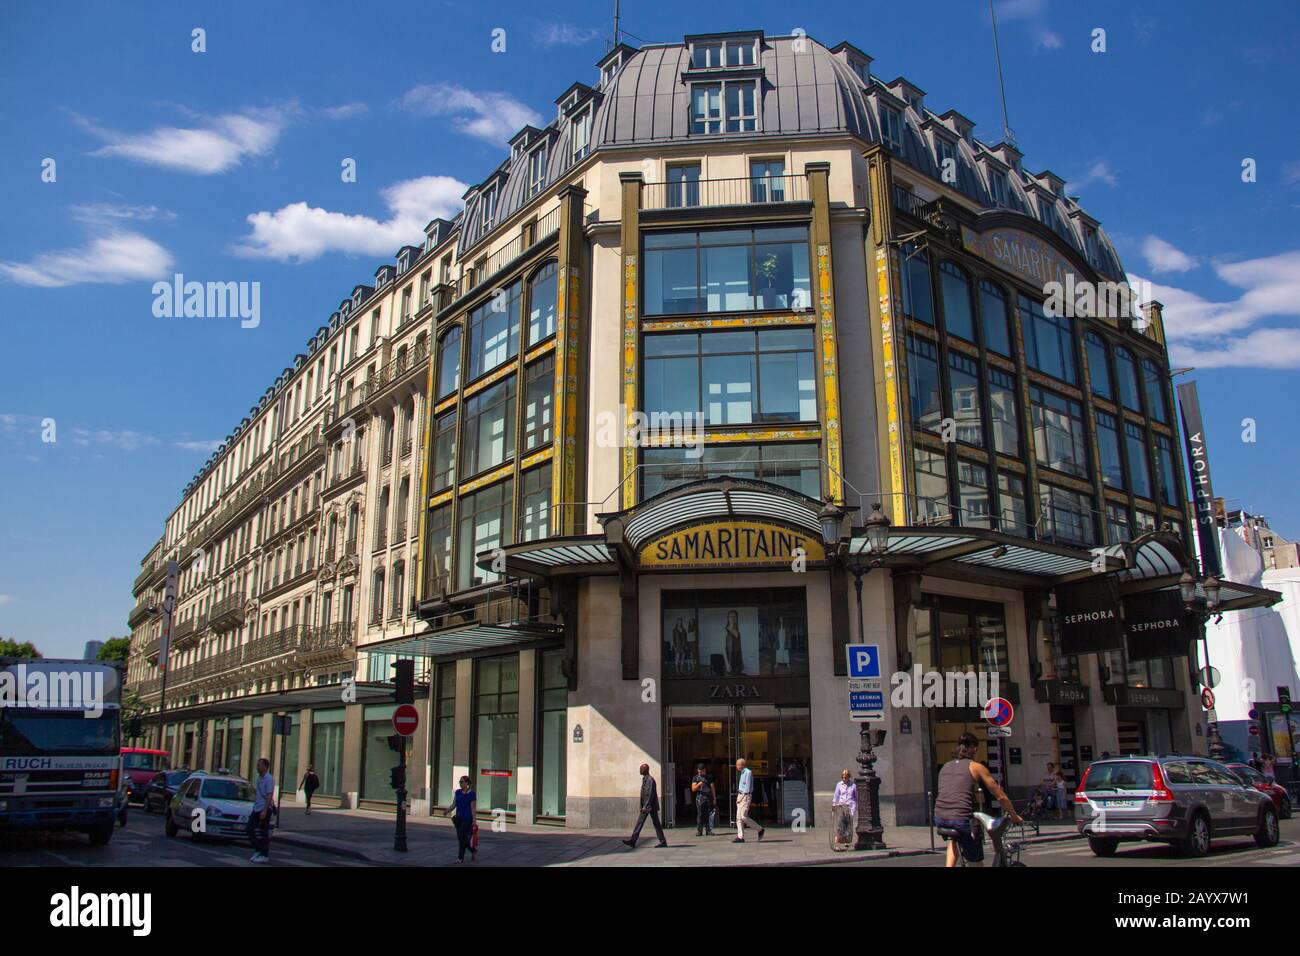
(1202,612)
(870,831)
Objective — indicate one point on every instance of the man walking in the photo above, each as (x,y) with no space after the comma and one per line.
(649,808)
(744,796)
(259,821)
(706,798)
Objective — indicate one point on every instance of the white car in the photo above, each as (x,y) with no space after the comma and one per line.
(214,805)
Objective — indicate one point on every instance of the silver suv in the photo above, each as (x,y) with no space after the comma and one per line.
(1185,801)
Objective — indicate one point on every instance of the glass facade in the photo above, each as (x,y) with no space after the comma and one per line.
(291,776)
(1060,438)
(731,270)
(496,731)
(958,314)
(924,389)
(914,268)
(1049,343)
(494,331)
(796,465)
(444,734)
(993,315)
(708,634)
(485,523)
(377,758)
(552,724)
(1004,402)
(327,750)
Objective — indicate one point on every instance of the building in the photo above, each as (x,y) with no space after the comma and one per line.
(739,296)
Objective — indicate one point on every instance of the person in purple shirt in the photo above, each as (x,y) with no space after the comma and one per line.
(844,810)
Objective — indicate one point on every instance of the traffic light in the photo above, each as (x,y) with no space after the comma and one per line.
(1284,699)
(404,682)
(398,777)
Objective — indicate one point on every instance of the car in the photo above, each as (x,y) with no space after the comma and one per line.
(161,788)
(139,764)
(1253,778)
(211,805)
(1185,801)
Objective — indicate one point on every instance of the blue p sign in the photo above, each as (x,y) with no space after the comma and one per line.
(864,660)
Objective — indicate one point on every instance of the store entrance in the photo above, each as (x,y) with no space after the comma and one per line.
(776,743)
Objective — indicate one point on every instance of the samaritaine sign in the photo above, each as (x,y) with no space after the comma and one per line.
(1019,252)
(717,544)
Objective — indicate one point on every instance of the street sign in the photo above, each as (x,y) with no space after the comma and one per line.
(999,712)
(1253,730)
(996,732)
(406,719)
(1207,699)
(866,692)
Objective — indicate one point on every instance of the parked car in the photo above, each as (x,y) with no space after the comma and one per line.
(1253,778)
(139,764)
(211,805)
(162,787)
(1184,801)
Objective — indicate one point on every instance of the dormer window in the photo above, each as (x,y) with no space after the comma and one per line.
(611,70)
(947,151)
(740,53)
(487,207)
(891,128)
(707,107)
(860,69)
(537,170)
(706,56)
(581,135)
(714,54)
(998,186)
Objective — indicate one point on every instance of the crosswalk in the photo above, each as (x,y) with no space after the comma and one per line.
(1222,854)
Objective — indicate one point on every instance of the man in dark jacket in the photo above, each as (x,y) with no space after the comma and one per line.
(649,808)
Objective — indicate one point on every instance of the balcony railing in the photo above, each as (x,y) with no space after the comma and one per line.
(399,532)
(403,364)
(545,227)
(227,613)
(743,191)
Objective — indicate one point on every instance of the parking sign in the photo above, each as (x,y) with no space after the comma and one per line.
(866,695)
(864,660)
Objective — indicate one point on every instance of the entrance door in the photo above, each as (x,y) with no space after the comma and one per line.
(698,735)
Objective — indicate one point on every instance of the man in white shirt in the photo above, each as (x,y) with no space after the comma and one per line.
(259,820)
(744,796)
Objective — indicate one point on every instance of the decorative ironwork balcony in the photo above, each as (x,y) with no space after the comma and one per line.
(741,191)
(227,613)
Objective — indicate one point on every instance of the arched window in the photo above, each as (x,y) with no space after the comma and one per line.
(449,362)
(1126,368)
(1153,385)
(993,318)
(542,290)
(918,301)
(958,315)
(1098,368)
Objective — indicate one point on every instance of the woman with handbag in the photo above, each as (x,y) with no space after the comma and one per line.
(464,804)
(844,811)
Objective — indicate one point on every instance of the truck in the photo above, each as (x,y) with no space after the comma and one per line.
(60,746)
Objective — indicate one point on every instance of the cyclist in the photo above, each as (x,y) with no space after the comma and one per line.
(955,801)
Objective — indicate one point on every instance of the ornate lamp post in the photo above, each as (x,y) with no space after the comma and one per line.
(1202,611)
(870,831)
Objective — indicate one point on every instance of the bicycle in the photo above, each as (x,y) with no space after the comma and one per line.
(1005,852)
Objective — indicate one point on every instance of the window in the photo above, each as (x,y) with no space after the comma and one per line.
(716,633)
(742,109)
(1144,521)
(581,137)
(728,270)
(767,180)
(1136,442)
(1165,470)
(1098,368)
(1060,439)
(947,155)
(1112,467)
(449,362)
(683,186)
(932,505)
(706,108)
(1153,385)
(496,731)
(794,465)
(1118,528)
(542,290)
(891,128)
(740,53)
(553,715)
(494,330)
(1011,497)
(484,524)
(705,56)
(732,377)
(958,316)
(489,436)
(1067,516)
(923,387)
(444,451)
(1004,404)
(1049,344)
(998,186)
(538,396)
(537,170)
(535,504)
(377,598)
(993,315)
(439,566)
(964,392)
(918,301)
(1128,384)
(708,100)
(973,495)
(399,589)
(443,732)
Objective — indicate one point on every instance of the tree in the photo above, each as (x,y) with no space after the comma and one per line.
(11,648)
(115,650)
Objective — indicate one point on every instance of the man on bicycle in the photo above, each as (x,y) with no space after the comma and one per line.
(954,803)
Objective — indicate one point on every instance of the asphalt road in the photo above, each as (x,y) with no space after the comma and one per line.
(142,843)
(1232,851)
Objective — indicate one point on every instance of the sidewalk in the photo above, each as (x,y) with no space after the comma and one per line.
(367,835)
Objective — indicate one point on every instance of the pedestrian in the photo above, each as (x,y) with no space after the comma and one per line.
(259,820)
(649,808)
(844,812)
(1047,784)
(744,797)
(706,799)
(310,784)
(464,804)
(1267,761)
(1061,803)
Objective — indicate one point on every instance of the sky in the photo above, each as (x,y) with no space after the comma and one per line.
(226,165)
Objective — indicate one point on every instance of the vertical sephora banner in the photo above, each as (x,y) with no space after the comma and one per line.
(1198,474)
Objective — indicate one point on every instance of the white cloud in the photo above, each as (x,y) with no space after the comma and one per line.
(1047,39)
(123,439)
(6,599)
(1165,257)
(566,34)
(1263,348)
(217,144)
(116,257)
(299,232)
(494,117)
(98,213)
(1291,173)
(1098,172)
(344,111)
(207,447)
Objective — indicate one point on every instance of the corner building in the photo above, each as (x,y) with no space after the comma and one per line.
(847,290)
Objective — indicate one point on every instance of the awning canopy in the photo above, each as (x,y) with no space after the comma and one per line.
(1156,560)
(465,638)
(321,695)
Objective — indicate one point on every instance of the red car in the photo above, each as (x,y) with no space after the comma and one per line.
(1252,777)
(139,764)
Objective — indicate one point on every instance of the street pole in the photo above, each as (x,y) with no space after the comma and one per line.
(164,645)
(870,831)
(399,838)
(284,747)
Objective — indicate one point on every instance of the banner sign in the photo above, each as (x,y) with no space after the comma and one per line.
(724,544)
(1198,474)
(1156,624)
(1088,612)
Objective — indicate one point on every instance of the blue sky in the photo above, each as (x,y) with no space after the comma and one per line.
(225,165)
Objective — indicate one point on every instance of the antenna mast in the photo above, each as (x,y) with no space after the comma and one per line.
(1007,134)
(616,2)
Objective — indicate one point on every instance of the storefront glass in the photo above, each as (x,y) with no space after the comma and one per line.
(496,719)
(377,758)
(444,734)
(290,744)
(234,747)
(327,750)
(722,633)
(553,710)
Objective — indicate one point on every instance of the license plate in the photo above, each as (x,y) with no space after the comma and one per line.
(1119,804)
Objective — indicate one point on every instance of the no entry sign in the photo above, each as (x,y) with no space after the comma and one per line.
(406,719)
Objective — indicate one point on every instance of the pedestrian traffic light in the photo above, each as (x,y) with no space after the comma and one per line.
(404,682)
(398,777)
(1284,699)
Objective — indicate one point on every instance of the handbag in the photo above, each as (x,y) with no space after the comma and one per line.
(713,819)
(473,836)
